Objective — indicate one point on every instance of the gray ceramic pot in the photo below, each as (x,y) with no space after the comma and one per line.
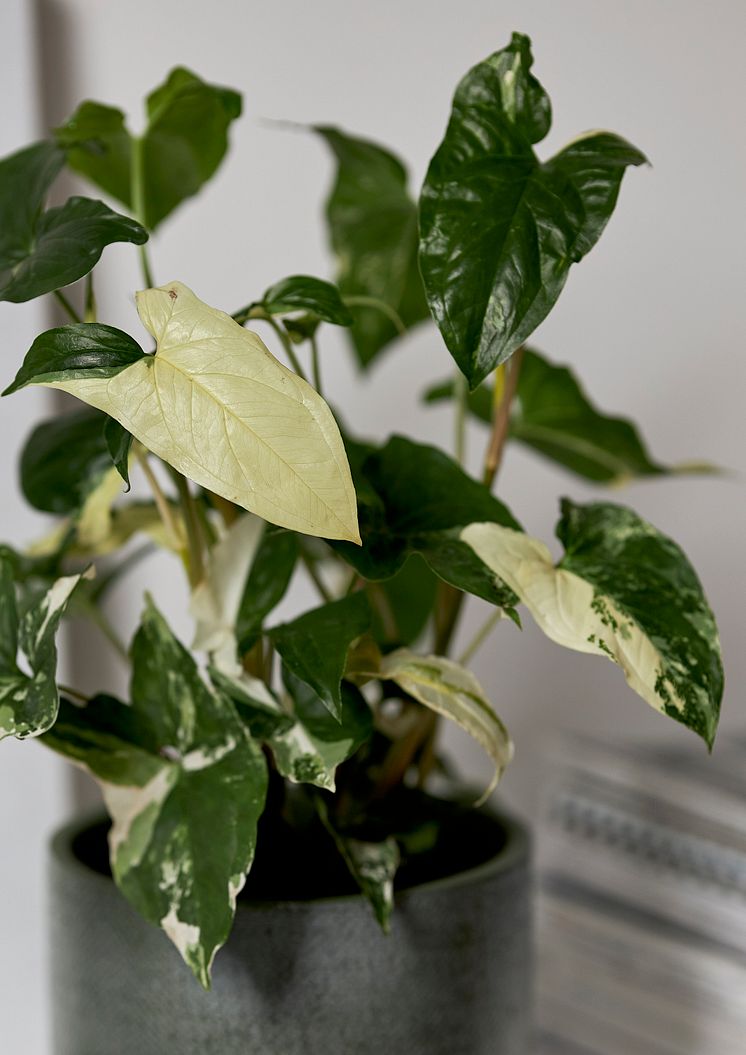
(301,978)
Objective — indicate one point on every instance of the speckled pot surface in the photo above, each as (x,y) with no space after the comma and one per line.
(301,978)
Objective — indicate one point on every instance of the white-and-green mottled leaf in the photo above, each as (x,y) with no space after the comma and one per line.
(449,689)
(373,866)
(29,699)
(622,590)
(184,783)
(215,404)
(307,743)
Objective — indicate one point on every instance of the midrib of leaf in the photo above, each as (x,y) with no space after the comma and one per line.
(521,431)
(161,360)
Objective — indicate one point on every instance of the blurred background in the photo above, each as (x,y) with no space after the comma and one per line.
(652,321)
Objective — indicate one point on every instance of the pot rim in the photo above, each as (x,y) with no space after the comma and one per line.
(513,854)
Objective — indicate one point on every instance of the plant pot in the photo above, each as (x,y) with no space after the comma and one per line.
(302,977)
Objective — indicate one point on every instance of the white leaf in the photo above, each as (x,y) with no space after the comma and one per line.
(215,404)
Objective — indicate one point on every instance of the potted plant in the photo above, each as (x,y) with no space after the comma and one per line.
(311,744)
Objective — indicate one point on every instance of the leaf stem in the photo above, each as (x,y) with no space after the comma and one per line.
(74,693)
(196,567)
(459,440)
(501,418)
(90,299)
(315,365)
(138,204)
(481,636)
(162,504)
(287,345)
(360,301)
(313,574)
(72,313)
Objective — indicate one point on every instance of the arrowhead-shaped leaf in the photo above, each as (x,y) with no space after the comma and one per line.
(185,786)
(452,691)
(415,499)
(185,140)
(499,230)
(43,251)
(314,646)
(553,415)
(215,404)
(29,701)
(373,228)
(625,591)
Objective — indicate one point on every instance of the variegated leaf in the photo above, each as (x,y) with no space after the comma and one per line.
(29,701)
(625,591)
(184,784)
(449,689)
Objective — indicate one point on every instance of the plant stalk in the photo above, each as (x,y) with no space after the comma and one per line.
(501,420)
(195,540)
(138,205)
(67,306)
(481,636)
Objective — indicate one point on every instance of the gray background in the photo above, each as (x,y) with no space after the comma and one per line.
(652,320)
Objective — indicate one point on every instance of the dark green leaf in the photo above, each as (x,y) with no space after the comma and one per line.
(25,178)
(415,499)
(185,141)
(87,349)
(314,646)
(185,785)
(650,580)
(62,246)
(99,147)
(553,415)
(257,706)
(266,583)
(29,701)
(373,228)
(63,460)
(119,443)
(499,229)
(402,604)
(303,293)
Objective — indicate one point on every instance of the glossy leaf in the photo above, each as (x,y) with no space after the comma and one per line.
(43,251)
(625,591)
(28,693)
(183,144)
(452,691)
(184,784)
(314,646)
(415,499)
(249,429)
(63,460)
(373,229)
(524,223)
(304,293)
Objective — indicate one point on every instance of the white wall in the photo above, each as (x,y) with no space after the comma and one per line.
(652,320)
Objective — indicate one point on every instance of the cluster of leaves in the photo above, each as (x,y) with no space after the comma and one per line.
(337,707)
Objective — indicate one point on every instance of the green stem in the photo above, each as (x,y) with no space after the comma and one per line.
(90,299)
(67,305)
(98,618)
(74,693)
(138,205)
(315,366)
(287,345)
(481,636)
(360,301)
(193,529)
(161,502)
(460,393)
(314,576)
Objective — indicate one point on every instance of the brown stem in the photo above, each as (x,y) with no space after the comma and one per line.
(501,421)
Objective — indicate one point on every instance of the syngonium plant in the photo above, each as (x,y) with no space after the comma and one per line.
(336,710)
